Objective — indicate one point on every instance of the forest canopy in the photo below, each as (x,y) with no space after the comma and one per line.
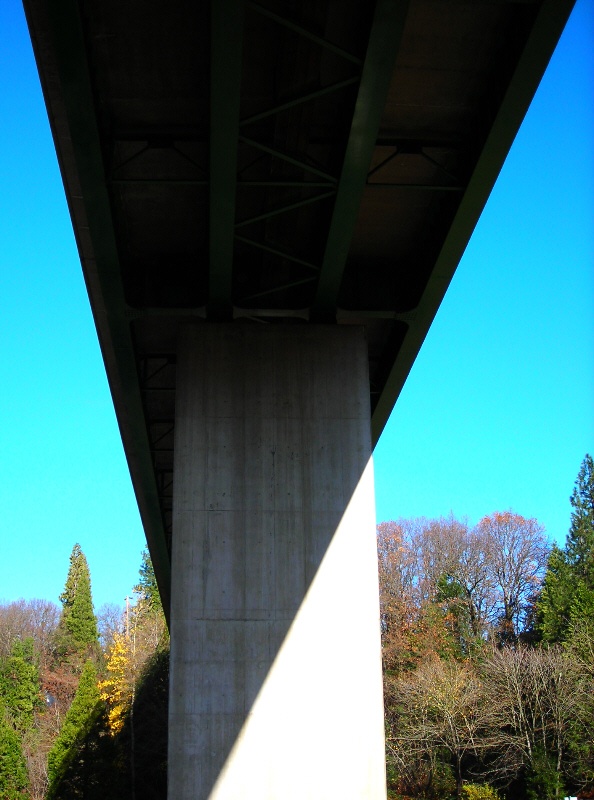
(488,654)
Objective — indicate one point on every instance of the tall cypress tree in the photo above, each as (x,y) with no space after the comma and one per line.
(77,631)
(568,588)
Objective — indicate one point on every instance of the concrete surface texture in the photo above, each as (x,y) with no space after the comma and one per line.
(275,665)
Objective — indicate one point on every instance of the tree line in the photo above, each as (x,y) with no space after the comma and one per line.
(488,662)
(488,650)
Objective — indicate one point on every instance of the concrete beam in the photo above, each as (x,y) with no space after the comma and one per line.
(275,663)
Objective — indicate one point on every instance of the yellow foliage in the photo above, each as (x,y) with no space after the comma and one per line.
(117,688)
(479,791)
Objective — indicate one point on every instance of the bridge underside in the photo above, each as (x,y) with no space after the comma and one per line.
(300,169)
(275,163)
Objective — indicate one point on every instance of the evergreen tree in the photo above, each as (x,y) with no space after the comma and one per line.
(568,587)
(580,540)
(554,604)
(19,685)
(146,621)
(77,724)
(77,631)
(13,767)
(146,588)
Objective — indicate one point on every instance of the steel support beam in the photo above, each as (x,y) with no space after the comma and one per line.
(280,184)
(225,94)
(546,32)
(284,209)
(296,162)
(301,31)
(432,187)
(384,41)
(305,98)
(90,209)
(281,288)
(275,252)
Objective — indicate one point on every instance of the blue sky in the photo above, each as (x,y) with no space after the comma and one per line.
(497,413)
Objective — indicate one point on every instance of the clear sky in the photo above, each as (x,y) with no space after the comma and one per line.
(497,413)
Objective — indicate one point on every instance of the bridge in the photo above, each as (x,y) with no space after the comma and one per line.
(270,200)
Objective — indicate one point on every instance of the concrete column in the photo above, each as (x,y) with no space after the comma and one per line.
(276,687)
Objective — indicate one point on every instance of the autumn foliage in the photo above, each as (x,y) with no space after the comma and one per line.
(488,655)
(488,649)
(117,687)
(66,721)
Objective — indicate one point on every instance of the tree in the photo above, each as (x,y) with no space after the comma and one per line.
(517,714)
(117,688)
(580,649)
(568,587)
(474,573)
(146,628)
(131,762)
(438,711)
(29,627)
(109,623)
(455,607)
(539,705)
(580,539)
(13,768)
(518,553)
(19,685)
(398,594)
(37,619)
(446,588)
(416,619)
(77,724)
(77,631)
(146,588)
(556,598)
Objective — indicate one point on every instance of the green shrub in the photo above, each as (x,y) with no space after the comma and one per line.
(543,782)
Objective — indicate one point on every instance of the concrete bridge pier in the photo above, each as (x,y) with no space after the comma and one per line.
(275,664)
